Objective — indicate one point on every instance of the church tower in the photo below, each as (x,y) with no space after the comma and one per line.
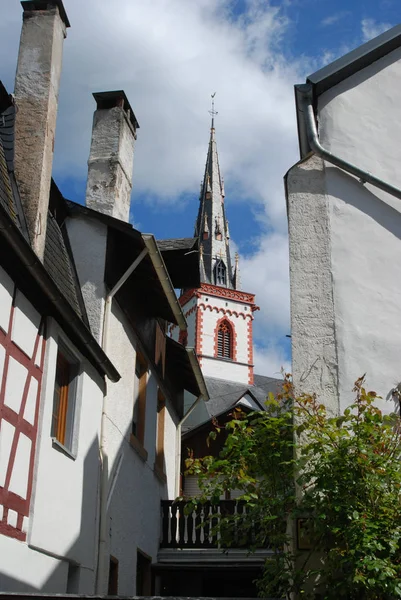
(219,314)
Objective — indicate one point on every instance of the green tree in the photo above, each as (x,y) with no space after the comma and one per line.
(341,474)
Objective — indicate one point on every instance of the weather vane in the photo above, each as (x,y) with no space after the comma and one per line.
(213,112)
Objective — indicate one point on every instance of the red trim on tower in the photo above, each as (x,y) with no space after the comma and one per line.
(222,292)
(250,352)
(187,295)
(199,333)
(9,499)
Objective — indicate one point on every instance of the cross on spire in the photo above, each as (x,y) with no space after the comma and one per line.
(212,111)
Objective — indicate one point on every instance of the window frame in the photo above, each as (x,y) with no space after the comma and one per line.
(159,466)
(230,332)
(64,435)
(220,273)
(137,436)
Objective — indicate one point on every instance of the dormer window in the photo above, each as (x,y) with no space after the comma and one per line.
(220,273)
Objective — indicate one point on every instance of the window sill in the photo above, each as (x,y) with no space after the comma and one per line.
(138,447)
(60,448)
(160,474)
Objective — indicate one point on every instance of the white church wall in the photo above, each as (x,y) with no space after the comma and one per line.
(358,230)
(213,309)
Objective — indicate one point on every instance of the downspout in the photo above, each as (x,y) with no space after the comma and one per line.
(101,564)
(317,148)
(204,395)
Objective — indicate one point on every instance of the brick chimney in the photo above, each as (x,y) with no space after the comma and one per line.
(36,97)
(111,158)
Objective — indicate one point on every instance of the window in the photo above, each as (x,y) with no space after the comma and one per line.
(143,576)
(64,398)
(220,272)
(224,340)
(161,414)
(138,417)
(113,577)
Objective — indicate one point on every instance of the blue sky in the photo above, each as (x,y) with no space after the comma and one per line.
(169,56)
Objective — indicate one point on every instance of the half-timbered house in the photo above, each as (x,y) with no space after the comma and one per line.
(91,388)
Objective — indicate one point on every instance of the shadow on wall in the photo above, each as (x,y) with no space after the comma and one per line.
(123,484)
(60,578)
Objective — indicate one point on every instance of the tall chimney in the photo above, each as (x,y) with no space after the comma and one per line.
(36,97)
(111,159)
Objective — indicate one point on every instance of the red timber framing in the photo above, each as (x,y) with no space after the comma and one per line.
(15,507)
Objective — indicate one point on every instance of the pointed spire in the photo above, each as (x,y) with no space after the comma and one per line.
(212,224)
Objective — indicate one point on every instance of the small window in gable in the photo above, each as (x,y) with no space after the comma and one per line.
(65,388)
(224,340)
(220,273)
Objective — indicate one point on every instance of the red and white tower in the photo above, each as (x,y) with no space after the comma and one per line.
(219,314)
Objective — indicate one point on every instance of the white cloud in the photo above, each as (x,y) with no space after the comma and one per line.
(270,360)
(169,56)
(332,19)
(372,28)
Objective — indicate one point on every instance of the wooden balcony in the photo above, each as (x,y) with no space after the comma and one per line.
(195,529)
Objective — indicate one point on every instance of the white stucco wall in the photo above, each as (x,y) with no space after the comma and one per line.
(88,238)
(25,570)
(352,286)
(65,493)
(136,490)
(61,526)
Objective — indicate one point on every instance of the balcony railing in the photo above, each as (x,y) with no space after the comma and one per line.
(196,529)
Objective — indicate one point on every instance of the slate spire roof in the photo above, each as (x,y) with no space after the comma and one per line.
(212,225)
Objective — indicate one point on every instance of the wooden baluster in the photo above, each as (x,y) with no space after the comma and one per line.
(181,524)
(173,523)
(190,530)
(198,529)
(207,524)
(165,523)
(214,520)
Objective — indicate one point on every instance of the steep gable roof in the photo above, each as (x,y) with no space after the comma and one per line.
(225,394)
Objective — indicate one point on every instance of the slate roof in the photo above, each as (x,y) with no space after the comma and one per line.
(177,244)
(57,260)
(9,197)
(224,394)
(59,266)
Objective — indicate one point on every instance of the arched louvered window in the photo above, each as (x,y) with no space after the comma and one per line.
(220,273)
(224,340)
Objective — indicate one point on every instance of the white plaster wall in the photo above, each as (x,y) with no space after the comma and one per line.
(359,121)
(88,240)
(65,493)
(190,315)
(135,490)
(191,322)
(6,298)
(345,243)
(314,349)
(225,370)
(25,570)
